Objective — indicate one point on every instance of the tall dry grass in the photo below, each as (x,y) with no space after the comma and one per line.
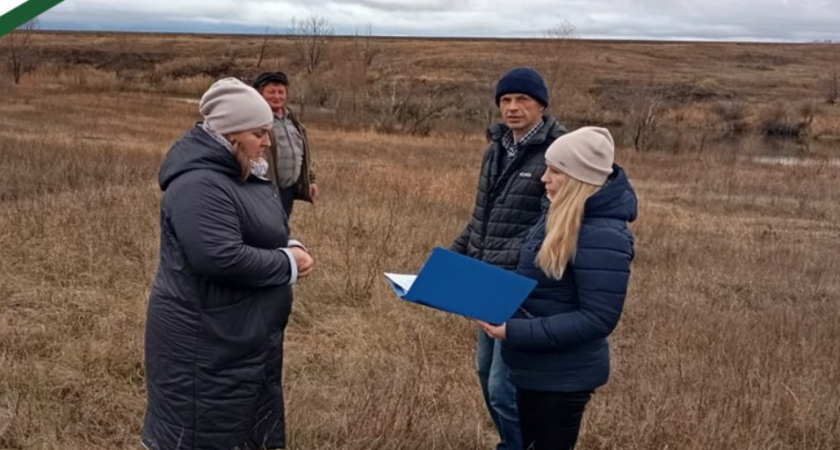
(729,339)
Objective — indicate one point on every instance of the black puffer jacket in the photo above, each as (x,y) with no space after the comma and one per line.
(218,307)
(508,203)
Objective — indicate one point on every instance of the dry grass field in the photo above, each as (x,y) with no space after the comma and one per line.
(730,338)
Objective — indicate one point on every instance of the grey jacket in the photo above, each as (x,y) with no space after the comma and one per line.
(508,203)
(307,176)
(218,307)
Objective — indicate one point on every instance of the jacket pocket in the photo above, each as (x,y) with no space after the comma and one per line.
(235,334)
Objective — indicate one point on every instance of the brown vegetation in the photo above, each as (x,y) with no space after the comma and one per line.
(729,340)
(629,85)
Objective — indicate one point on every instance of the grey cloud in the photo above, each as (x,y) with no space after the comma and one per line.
(795,20)
(408,5)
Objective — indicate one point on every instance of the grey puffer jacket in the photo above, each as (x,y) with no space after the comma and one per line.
(510,202)
(218,307)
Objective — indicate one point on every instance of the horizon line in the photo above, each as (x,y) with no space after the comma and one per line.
(674,40)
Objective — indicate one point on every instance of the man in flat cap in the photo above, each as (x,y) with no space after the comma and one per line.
(288,158)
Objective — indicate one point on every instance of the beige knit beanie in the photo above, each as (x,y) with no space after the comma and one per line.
(585,154)
(230,106)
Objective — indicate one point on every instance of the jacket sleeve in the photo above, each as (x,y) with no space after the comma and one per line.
(208,226)
(602,273)
(302,130)
(462,241)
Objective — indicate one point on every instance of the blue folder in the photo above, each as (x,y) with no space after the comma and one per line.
(462,285)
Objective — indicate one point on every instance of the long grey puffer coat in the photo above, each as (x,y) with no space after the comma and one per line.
(218,307)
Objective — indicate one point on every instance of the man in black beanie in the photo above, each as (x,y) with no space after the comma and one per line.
(509,201)
(288,158)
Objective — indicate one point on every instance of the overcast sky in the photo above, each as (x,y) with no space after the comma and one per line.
(751,20)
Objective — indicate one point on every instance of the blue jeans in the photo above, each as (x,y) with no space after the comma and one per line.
(499,392)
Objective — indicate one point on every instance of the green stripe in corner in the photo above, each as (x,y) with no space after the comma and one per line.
(23,13)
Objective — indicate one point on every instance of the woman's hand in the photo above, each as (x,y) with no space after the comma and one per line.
(313,191)
(304,261)
(494,331)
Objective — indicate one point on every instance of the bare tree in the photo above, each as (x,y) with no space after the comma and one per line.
(19,43)
(562,30)
(364,46)
(355,69)
(641,108)
(559,60)
(263,47)
(833,88)
(311,38)
(646,110)
(402,106)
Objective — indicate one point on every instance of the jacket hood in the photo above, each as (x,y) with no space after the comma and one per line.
(196,150)
(616,200)
(551,129)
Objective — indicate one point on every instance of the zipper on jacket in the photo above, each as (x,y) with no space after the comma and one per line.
(494,188)
(484,221)
(527,314)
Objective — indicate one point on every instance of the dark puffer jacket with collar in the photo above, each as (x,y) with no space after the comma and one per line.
(508,202)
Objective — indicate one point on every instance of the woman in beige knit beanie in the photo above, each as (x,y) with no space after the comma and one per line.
(580,253)
(236,116)
(222,294)
(577,164)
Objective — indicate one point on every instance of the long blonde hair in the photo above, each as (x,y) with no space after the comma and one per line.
(563,226)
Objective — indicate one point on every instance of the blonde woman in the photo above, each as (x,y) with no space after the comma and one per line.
(580,253)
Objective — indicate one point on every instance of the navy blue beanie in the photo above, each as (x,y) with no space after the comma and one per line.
(523,80)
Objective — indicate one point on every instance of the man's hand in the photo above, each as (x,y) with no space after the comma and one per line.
(313,191)
(494,331)
(304,261)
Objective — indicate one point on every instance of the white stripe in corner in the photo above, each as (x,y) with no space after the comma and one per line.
(8,5)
